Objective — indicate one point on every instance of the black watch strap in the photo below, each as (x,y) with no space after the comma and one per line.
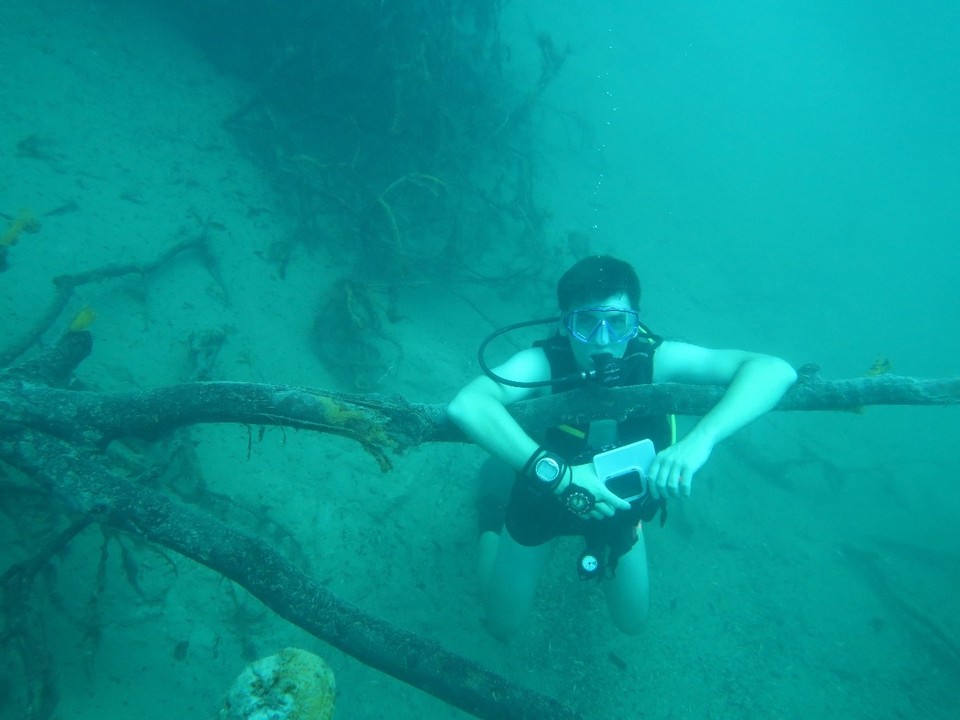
(577,499)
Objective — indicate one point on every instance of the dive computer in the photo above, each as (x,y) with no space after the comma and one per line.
(548,472)
(544,471)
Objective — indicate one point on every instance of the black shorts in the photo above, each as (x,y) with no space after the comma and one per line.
(533,519)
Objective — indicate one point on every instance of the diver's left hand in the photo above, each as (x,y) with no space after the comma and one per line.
(606,502)
(671,474)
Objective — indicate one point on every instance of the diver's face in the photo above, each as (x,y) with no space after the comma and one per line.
(604,326)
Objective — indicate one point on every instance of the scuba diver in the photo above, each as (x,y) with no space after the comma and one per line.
(536,489)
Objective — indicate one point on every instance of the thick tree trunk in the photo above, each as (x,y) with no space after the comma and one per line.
(379,422)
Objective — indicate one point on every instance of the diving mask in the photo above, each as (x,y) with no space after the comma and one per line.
(604,324)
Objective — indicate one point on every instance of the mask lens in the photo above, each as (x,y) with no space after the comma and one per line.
(619,324)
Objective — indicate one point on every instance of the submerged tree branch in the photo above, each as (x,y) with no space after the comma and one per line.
(379,423)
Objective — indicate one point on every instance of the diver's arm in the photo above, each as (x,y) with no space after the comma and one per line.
(755,383)
(479,409)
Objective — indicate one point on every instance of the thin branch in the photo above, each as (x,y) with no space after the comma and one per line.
(65,285)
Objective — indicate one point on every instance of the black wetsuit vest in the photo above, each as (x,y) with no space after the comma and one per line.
(532,518)
(574,443)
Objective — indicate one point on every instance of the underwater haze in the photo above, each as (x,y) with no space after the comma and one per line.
(351,196)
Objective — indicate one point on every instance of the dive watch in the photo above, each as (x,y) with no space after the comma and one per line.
(545,471)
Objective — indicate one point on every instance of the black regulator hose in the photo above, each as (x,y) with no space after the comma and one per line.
(608,371)
(503,331)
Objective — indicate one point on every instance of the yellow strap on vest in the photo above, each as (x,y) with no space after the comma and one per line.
(569,429)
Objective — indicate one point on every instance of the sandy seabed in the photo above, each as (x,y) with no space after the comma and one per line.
(784,589)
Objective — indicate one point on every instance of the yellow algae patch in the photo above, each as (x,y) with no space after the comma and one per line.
(82,320)
(881,366)
(356,422)
(25,221)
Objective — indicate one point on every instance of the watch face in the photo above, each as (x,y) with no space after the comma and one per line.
(547,469)
(580,502)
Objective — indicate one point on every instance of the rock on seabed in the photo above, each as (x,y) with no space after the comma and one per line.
(291,685)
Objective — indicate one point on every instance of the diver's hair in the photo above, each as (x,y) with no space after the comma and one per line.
(597,277)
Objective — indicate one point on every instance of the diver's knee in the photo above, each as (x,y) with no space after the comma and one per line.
(488,543)
(631,618)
